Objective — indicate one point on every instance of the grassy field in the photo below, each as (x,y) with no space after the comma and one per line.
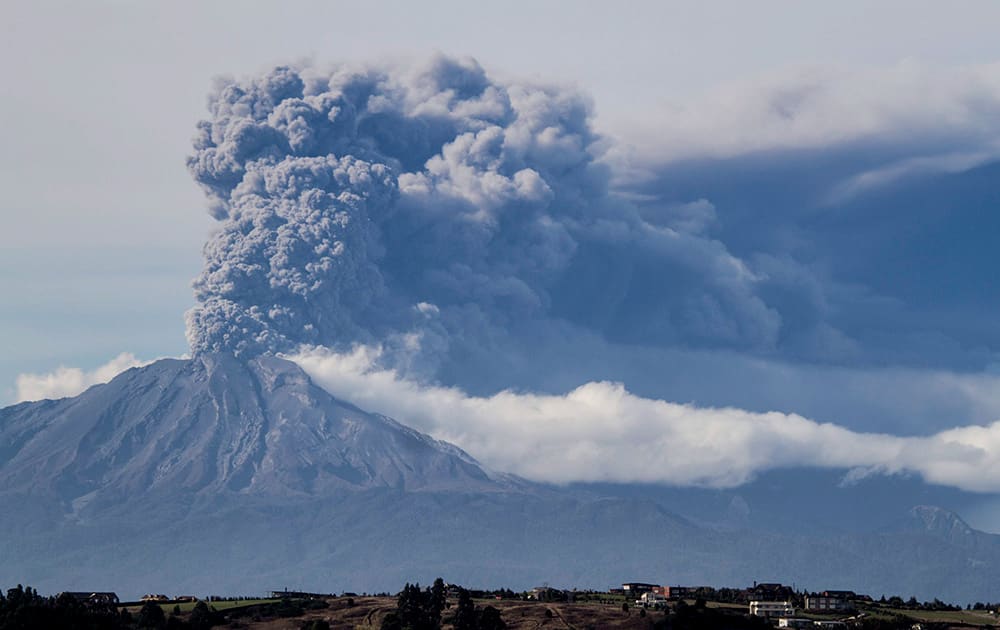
(367,613)
(228,604)
(969,617)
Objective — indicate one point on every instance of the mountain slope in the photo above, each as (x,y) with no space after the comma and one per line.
(215,424)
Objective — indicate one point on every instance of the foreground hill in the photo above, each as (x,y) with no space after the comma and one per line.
(594,610)
(214,475)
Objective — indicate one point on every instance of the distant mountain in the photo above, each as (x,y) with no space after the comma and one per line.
(218,475)
(942,523)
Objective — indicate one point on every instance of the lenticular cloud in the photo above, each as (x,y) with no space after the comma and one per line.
(372,204)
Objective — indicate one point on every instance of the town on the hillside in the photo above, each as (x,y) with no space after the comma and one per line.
(771,601)
(444,606)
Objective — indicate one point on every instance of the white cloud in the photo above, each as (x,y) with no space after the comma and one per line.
(911,166)
(70,381)
(807,107)
(601,432)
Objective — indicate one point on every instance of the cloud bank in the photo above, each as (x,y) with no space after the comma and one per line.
(70,381)
(859,197)
(601,432)
(912,106)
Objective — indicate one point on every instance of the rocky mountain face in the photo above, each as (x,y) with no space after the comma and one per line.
(218,475)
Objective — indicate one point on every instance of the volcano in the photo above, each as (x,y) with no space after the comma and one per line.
(219,475)
(214,425)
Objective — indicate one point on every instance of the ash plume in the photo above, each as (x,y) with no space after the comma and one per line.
(369,204)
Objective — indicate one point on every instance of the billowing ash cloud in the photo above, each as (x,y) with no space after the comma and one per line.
(293,261)
(380,203)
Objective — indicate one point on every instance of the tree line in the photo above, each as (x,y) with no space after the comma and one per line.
(22,608)
(428,608)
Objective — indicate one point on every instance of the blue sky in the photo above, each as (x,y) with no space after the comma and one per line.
(828,175)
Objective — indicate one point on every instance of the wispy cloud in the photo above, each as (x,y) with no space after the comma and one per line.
(948,162)
(821,106)
(70,381)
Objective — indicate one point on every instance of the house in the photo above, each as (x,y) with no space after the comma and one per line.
(547,594)
(794,622)
(297,595)
(770,591)
(682,592)
(93,597)
(635,589)
(771,609)
(837,601)
(149,597)
(841,594)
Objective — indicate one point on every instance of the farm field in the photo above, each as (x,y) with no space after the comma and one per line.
(186,607)
(967,617)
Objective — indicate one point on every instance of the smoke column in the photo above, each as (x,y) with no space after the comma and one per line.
(386,204)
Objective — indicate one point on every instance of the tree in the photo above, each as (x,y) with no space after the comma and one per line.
(391,622)
(490,619)
(414,611)
(201,617)
(465,612)
(151,616)
(410,608)
(437,596)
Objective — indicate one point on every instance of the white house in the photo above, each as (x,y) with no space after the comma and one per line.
(771,609)
(795,622)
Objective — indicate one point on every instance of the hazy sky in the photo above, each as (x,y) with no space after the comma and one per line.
(104,225)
